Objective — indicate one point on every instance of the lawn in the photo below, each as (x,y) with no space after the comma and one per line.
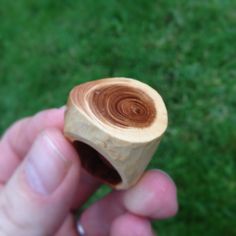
(185,49)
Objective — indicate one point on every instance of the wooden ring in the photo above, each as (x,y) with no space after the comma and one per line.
(115,124)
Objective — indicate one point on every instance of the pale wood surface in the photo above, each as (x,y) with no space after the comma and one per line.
(122,119)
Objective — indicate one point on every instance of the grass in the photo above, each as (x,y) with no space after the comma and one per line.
(184,49)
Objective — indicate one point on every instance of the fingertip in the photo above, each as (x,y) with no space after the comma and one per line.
(153,196)
(53,117)
(44,120)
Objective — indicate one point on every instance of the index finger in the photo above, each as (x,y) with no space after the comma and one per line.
(18,139)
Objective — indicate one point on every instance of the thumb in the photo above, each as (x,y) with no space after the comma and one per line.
(38,197)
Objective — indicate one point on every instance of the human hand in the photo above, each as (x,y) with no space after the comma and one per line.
(41,183)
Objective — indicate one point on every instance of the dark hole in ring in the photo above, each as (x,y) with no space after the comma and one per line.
(96,164)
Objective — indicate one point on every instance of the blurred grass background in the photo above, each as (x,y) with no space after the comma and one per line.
(185,49)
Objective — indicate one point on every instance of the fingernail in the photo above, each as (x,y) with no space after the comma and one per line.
(137,199)
(45,165)
(80,229)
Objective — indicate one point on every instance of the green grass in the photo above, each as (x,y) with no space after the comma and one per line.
(184,49)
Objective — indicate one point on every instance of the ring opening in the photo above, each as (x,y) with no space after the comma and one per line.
(96,164)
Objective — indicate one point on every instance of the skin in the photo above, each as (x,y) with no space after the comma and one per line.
(40,201)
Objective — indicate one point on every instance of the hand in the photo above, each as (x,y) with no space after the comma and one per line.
(41,182)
